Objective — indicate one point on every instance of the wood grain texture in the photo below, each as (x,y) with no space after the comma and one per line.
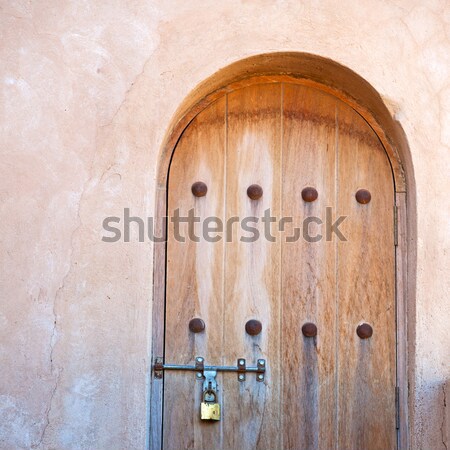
(300,68)
(308,270)
(331,391)
(401,262)
(194,278)
(252,269)
(365,289)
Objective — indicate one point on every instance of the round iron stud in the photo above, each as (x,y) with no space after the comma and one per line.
(363,196)
(309,330)
(309,194)
(253,327)
(199,189)
(364,331)
(196,325)
(255,191)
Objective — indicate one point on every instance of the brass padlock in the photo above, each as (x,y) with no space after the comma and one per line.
(210,409)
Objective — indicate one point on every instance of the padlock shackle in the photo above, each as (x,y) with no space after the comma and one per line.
(210,392)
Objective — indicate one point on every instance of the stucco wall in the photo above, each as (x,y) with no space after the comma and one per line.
(88,90)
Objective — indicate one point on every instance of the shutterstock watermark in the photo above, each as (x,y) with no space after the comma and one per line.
(214,229)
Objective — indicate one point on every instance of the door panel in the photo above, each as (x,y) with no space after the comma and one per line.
(194,286)
(334,390)
(366,367)
(308,270)
(252,269)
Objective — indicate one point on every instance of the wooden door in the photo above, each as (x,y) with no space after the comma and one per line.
(332,390)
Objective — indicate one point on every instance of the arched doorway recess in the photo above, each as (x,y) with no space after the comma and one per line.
(286,93)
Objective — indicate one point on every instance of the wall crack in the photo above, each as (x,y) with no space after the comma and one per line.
(53,338)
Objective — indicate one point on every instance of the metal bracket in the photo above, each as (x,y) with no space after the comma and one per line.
(158,368)
(260,376)
(210,385)
(241,369)
(397,407)
(395,225)
(199,364)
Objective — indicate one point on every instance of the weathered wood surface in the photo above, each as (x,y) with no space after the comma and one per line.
(194,279)
(401,262)
(308,270)
(252,269)
(365,289)
(331,391)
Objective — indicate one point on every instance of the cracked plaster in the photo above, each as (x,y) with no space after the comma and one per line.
(87,93)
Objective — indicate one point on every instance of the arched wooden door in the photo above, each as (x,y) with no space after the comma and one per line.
(332,390)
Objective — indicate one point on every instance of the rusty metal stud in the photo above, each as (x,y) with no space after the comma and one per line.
(253,327)
(363,196)
(196,325)
(309,329)
(199,189)
(255,191)
(309,194)
(364,331)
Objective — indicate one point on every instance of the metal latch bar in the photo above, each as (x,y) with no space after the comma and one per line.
(199,366)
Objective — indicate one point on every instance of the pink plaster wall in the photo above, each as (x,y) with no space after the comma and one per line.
(87,91)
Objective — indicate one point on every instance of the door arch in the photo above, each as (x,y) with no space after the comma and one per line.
(331,80)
